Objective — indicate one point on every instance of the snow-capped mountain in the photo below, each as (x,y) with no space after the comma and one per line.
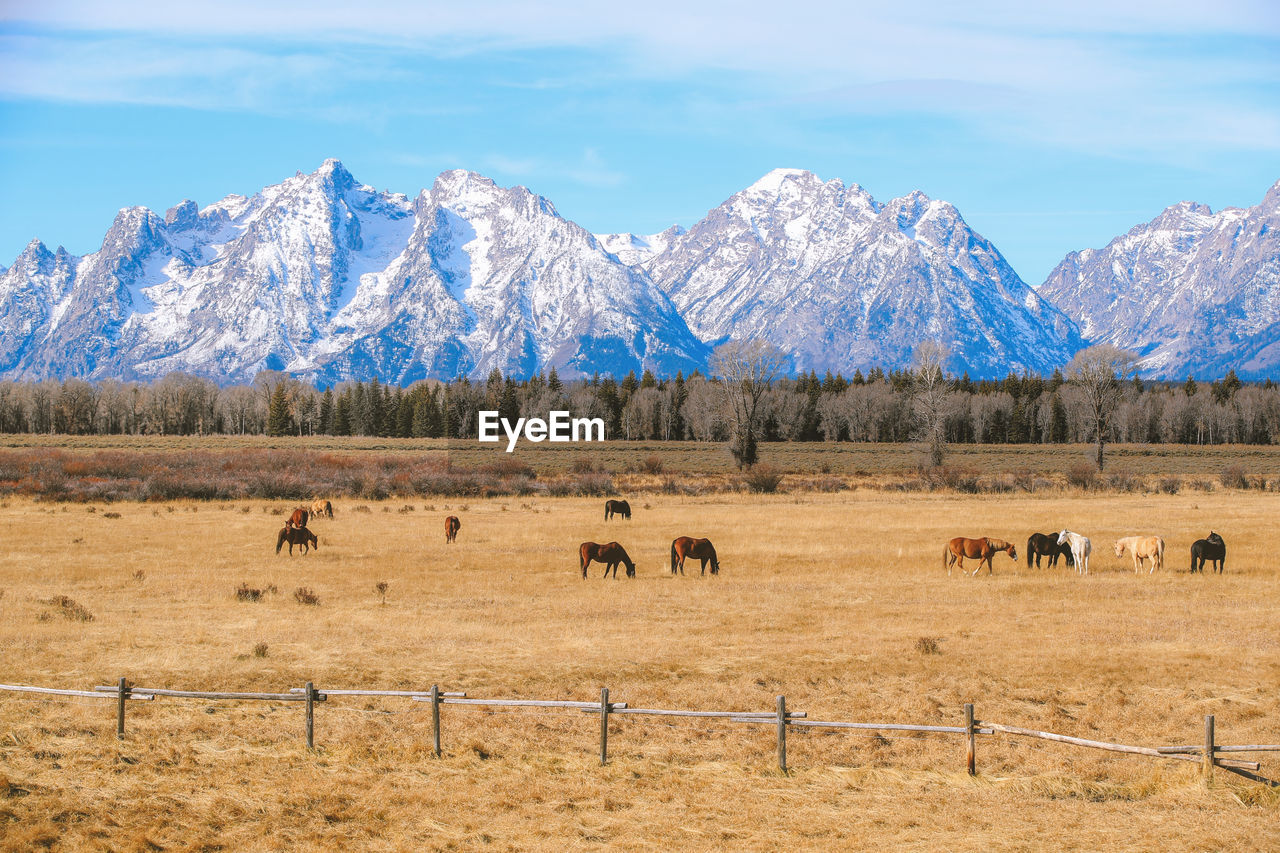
(829,274)
(1193,291)
(326,278)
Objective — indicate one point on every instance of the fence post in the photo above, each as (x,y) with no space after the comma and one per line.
(1206,768)
(435,719)
(311,716)
(971,750)
(782,733)
(604,726)
(123,692)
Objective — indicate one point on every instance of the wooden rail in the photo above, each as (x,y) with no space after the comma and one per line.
(1209,755)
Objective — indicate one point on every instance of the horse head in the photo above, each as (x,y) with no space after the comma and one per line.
(1062,537)
(1213,537)
(631,569)
(1013,551)
(1119,549)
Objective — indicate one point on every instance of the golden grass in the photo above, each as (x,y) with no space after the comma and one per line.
(836,626)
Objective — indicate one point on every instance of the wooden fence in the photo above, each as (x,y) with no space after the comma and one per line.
(1208,755)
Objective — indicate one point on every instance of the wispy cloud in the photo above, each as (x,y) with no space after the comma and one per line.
(1116,76)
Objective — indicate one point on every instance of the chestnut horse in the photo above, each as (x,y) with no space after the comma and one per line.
(1141,549)
(621,508)
(299,536)
(611,554)
(298,520)
(702,549)
(982,549)
(321,508)
(1212,549)
(451,525)
(1046,545)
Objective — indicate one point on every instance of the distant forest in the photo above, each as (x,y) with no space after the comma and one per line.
(808,407)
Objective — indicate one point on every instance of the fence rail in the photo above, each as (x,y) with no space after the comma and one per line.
(1208,755)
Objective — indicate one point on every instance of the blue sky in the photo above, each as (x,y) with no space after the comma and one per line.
(1050,130)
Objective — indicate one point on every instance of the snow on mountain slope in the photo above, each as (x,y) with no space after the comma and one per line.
(326,278)
(828,273)
(1194,292)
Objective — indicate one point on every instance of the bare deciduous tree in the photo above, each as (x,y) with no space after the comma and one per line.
(1099,373)
(929,404)
(748,368)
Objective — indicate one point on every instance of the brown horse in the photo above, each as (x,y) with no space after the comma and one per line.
(299,536)
(611,554)
(621,508)
(451,525)
(982,549)
(702,549)
(321,508)
(299,519)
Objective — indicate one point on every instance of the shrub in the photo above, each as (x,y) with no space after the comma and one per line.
(111,515)
(763,479)
(651,464)
(929,645)
(381,588)
(1083,475)
(1123,481)
(244,592)
(585,465)
(303,595)
(1169,485)
(69,608)
(260,650)
(1234,477)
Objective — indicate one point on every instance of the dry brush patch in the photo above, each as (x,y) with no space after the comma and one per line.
(823,597)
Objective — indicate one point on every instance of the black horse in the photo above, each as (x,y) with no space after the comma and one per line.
(621,508)
(1046,545)
(1212,549)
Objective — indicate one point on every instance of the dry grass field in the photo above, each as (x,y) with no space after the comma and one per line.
(823,597)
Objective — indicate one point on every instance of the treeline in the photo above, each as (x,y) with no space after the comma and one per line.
(871,407)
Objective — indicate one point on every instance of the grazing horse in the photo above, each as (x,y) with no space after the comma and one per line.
(1212,549)
(982,549)
(702,549)
(298,520)
(321,508)
(1142,548)
(1046,545)
(299,536)
(611,554)
(621,508)
(1081,548)
(451,525)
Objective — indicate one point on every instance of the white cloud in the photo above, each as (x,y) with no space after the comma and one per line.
(1125,75)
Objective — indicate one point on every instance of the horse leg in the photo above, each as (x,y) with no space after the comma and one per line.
(704,565)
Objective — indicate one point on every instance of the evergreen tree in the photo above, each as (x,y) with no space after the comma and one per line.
(278,420)
(326,412)
(648,380)
(553,382)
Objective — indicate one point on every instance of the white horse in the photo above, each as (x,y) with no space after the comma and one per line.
(1080,546)
(1143,548)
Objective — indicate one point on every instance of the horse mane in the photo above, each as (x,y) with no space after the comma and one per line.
(997,544)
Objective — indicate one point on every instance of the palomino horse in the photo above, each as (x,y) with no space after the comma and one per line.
(1081,548)
(611,554)
(451,525)
(298,520)
(1142,548)
(299,536)
(621,508)
(982,549)
(702,549)
(1046,545)
(321,508)
(1212,549)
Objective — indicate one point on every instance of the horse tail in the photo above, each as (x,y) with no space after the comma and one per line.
(1029,552)
(280,539)
(946,552)
(674,558)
